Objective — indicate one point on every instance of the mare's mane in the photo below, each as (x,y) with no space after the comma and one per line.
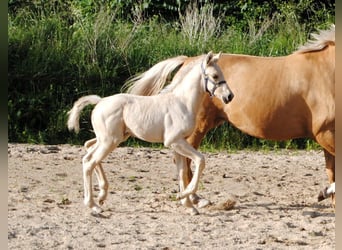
(319,41)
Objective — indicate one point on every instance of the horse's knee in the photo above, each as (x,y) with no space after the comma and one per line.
(88,144)
(200,162)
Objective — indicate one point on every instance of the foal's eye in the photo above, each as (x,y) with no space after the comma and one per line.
(215,77)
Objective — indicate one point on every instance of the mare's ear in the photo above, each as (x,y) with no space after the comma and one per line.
(209,57)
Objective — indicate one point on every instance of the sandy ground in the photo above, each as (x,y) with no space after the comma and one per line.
(275,193)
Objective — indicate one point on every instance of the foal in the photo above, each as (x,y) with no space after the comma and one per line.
(169,117)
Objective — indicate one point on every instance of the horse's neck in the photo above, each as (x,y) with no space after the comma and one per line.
(190,91)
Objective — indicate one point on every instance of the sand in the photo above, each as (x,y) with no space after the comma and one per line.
(260,200)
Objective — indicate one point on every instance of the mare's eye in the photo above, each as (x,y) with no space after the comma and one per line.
(215,77)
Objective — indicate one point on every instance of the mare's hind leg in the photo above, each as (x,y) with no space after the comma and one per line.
(330,170)
(94,157)
(101,177)
(326,138)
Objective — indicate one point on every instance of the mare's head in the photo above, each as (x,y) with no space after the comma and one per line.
(213,79)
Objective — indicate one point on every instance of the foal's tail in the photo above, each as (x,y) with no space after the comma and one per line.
(74,113)
(153,80)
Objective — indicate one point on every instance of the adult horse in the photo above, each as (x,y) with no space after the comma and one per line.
(276,98)
(168,117)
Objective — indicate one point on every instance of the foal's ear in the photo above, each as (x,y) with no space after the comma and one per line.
(216,57)
(209,57)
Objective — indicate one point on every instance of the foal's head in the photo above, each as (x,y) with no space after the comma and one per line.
(214,82)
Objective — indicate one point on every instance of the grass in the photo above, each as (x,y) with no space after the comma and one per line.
(58,55)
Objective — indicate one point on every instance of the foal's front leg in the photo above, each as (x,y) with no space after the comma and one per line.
(184,180)
(180,162)
(185,149)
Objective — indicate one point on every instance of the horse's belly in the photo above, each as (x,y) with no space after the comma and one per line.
(277,124)
(154,121)
(145,127)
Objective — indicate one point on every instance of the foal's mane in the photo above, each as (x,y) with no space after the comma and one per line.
(183,71)
(320,40)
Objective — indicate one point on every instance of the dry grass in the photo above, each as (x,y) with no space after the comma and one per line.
(199,25)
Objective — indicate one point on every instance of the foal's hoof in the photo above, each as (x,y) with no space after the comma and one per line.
(203,203)
(96,209)
(194,211)
(199,201)
(179,196)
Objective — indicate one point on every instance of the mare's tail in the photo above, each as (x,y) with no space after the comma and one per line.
(152,81)
(74,113)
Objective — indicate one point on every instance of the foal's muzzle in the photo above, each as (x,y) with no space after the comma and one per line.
(227,99)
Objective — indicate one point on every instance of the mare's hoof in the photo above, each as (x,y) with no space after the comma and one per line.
(320,196)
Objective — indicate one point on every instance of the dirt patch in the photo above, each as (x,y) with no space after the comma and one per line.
(261,200)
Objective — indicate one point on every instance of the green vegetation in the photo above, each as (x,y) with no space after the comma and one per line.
(61,50)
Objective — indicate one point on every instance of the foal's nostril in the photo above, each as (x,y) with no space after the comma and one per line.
(230,97)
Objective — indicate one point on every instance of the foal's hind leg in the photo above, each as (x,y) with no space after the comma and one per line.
(103,183)
(94,157)
(101,177)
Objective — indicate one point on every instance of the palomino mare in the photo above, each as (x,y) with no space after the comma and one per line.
(277,98)
(168,117)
